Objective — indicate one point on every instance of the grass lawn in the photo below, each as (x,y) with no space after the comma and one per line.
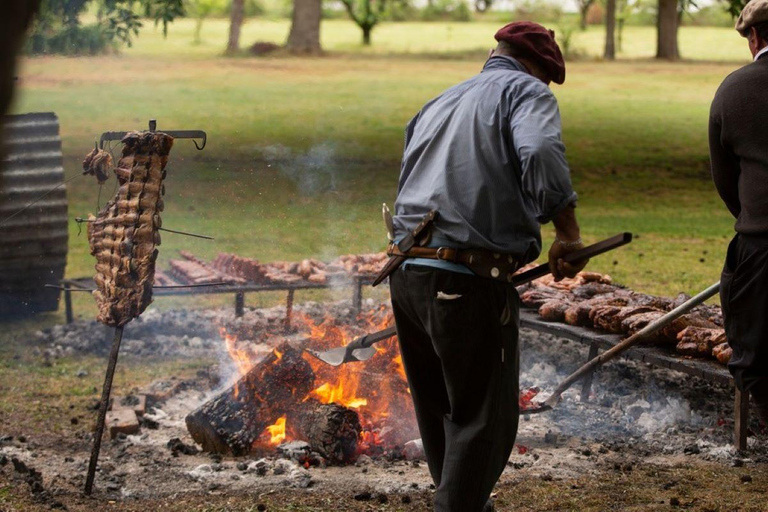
(302,152)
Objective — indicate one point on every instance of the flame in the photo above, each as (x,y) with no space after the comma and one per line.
(376,389)
(241,358)
(277,431)
(330,394)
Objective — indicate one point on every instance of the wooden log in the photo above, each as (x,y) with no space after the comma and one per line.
(331,430)
(232,421)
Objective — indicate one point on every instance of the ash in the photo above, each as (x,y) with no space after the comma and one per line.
(636,414)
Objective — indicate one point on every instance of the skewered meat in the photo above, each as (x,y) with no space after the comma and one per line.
(123,236)
(98,163)
(221,276)
(162,279)
(534,297)
(723,352)
(615,319)
(699,341)
(593,289)
(245,268)
(578,313)
(361,264)
(554,310)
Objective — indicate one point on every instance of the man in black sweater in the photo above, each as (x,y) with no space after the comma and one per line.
(738,142)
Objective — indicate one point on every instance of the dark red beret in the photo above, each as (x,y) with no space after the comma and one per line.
(536,43)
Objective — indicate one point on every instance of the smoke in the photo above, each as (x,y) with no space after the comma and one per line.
(313,172)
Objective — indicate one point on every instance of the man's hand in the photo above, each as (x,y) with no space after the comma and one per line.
(568,239)
(558,266)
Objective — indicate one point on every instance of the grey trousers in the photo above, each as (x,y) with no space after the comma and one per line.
(459,341)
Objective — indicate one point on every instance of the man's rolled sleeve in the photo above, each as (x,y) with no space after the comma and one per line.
(546,178)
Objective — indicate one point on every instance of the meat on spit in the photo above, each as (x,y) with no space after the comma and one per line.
(124,236)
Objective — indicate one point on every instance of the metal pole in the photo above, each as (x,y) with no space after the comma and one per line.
(103,406)
(68,306)
(741,423)
(288,310)
(357,295)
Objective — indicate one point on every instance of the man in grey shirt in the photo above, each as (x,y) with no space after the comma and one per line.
(487,155)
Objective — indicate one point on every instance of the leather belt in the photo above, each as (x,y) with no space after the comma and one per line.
(484,263)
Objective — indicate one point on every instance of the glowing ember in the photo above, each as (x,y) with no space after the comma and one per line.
(277,431)
(526,398)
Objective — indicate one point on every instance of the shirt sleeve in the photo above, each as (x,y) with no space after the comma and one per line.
(725,165)
(536,136)
(405,172)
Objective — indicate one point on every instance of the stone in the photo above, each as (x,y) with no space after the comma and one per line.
(122,421)
(136,403)
(413,450)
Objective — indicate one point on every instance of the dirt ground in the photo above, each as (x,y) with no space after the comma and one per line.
(647,439)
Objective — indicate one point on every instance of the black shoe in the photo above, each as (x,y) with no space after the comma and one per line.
(489,506)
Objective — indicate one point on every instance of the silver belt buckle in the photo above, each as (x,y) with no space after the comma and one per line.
(439,253)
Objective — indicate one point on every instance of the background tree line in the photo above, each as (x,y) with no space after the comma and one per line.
(95,26)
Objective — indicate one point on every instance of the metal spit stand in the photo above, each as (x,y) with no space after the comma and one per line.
(118,333)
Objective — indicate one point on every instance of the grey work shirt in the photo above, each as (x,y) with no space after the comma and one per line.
(487,155)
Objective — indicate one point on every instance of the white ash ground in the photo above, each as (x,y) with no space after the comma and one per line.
(637,414)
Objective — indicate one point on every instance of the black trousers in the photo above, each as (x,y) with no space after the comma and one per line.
(461,360)
(744,299)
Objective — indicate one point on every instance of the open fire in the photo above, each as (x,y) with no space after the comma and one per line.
(376,390)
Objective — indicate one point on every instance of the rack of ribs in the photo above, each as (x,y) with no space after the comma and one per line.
(124,236)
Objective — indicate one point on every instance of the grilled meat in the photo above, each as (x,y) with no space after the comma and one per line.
(699,341)
(123,236)
(723,352)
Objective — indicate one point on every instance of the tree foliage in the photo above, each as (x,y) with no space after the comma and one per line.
(735,7)
(366,14)
(59,29)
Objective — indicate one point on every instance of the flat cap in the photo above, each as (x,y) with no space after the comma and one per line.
(754,12)
(536,43)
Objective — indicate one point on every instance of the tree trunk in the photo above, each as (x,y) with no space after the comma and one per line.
(367,35)
(198,30)
(235,23)
(610,30)
(305,27)
(620,46)
(667,31)
(583,11)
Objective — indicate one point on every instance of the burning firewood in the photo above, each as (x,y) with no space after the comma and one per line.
(124,235)
(332,430)
(232,421)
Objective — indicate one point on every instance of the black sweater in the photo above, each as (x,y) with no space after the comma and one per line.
(738,145)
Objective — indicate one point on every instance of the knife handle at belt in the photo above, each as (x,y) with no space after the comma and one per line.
(582,254)
(392,264)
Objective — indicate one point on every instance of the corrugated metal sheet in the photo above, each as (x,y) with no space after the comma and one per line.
(33,245)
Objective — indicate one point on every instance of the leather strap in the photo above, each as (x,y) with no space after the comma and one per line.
(493,265)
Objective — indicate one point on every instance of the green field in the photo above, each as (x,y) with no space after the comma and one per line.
(302,152)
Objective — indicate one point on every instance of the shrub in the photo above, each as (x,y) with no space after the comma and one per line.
(447,10)
(70,40)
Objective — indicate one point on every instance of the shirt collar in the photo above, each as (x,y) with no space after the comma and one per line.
(761,53)
(504,62)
